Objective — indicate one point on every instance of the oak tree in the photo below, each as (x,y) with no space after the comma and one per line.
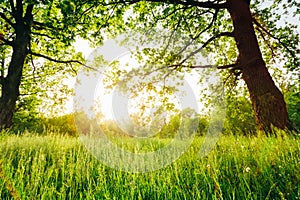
(248,37)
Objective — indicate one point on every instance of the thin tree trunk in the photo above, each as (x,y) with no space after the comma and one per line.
(267,100)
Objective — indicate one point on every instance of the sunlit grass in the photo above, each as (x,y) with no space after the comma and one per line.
(59,167)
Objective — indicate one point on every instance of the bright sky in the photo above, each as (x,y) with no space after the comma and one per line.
(113,101)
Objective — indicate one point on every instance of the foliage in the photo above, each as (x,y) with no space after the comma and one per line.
(33,35)
(170,129)
(191,25)
(111,129)
(184,125)
(63,124)
(280,37)
(27,116)
(59,167)
(293,104)
(51,60)
(26,121)
(240,118)
(206,27)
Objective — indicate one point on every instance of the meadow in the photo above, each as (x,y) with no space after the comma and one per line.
(54,166)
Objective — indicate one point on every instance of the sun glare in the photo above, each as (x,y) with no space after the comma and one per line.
(114,104)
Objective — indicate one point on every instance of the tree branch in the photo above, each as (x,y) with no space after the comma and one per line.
(2,79)
(201,66)
(228,66)
(5,41)
(276,38)
(42,26)
(210,25)
(28,15)
(171,13)
(43,35)
(19,10)
(191,66)
(171,35)
(233,66)
(266,41)
(120,2)
(61,61)
(229,34)
(181,64)
(28,94)
(85,12)
(205,4)
(3,16)
(172,68)
(204,30)
(12,5)
(238,65)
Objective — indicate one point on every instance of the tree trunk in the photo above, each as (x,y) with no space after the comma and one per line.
(10,86)
(267,100)
(11,83)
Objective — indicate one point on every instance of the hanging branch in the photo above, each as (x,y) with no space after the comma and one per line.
(228,34)
(276,38)
(61,61)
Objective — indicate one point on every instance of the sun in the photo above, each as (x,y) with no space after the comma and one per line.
(114,104)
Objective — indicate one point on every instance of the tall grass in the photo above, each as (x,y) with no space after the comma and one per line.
(59,167)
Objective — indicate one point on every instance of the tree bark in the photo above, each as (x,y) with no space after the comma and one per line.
(11,83)
(267,100)
(10,87)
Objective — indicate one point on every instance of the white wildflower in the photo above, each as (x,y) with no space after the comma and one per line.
(247,169)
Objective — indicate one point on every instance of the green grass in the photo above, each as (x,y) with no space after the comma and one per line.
(59,167)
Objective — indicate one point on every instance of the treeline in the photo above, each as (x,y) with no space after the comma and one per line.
(239,121)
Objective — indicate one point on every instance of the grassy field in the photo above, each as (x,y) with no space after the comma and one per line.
(59,167)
